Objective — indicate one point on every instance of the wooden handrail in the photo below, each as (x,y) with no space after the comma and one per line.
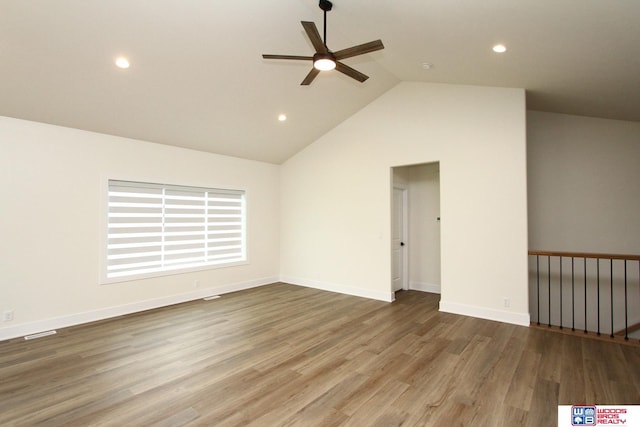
(628,330)
(586,255)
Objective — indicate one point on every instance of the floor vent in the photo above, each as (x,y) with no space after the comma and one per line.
(39,335)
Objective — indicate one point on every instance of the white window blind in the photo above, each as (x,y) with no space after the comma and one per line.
(154,228)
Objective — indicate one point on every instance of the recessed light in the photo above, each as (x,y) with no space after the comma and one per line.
(282,117)
(122,62)
(499,48)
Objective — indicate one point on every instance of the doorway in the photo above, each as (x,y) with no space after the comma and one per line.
(399,260)
(415,227)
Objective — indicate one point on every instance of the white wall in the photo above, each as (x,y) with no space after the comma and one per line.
(50,196)
(336,197)
(584,184)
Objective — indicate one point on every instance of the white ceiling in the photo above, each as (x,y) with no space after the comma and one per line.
(198,80)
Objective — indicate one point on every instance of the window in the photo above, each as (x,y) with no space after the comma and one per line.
(156,228)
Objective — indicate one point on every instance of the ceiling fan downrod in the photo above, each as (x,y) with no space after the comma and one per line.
(326,6)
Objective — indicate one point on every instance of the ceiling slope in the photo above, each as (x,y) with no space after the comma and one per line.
(197,78)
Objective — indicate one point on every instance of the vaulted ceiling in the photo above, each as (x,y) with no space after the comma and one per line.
(197,78)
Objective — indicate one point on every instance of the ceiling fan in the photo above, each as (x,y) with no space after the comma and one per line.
(324,59)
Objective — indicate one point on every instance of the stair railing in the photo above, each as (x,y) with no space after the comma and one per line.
(596,298)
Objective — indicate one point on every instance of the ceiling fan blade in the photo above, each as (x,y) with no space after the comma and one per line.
(359,50)
(296,57)
(313,34)
(312,75)
(355,74)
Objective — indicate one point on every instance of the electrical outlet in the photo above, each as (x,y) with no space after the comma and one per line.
(196,283)
(506,302)
(7,316)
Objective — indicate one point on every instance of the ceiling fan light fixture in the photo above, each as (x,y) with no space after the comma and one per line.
(324,61)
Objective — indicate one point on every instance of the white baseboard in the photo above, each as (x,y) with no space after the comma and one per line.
(341,289)
(522,319)
(424,287)
(106,313)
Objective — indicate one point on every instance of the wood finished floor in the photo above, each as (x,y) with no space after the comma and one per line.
(283,355)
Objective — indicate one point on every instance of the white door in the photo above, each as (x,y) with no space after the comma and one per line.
(398,240)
